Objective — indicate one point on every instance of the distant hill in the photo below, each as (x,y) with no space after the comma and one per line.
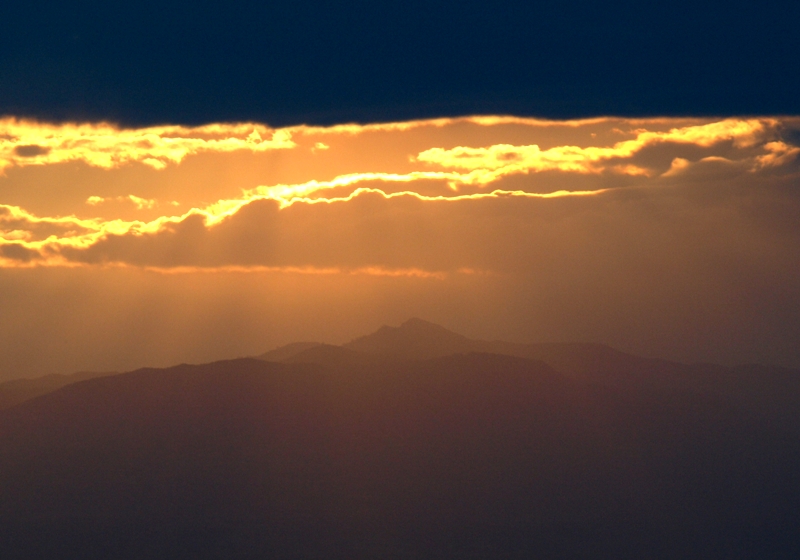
(472,455)
(773,392)
(415,339)
(286,352)
(18,391)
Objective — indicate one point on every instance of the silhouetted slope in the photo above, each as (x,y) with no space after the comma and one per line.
(16,391)
(466,456)
(414,339)
(770,391)
(285,352)
(336,356)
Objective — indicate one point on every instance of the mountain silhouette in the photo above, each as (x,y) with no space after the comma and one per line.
(414,339)
(17,391)
(411,442)
(772,392)
(337,356)
(286,352)
(471,455)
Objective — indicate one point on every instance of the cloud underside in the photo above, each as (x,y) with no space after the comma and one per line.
(498,208)
(375,234)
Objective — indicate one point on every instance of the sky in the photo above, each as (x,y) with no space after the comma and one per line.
(197,181)
(322,62)
(669,237)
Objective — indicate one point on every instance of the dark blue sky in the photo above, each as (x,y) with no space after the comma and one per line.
(326,62)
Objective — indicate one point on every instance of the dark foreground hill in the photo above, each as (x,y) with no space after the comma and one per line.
(466,456)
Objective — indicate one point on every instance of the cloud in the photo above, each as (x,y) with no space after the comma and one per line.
(261,227)
(399,231)
(238,232)
(106,146)
(31,150)
(488,164)
(778,153)
(16,252)
(138,202)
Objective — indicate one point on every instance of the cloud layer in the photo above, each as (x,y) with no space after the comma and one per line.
(360,218)
(674,237)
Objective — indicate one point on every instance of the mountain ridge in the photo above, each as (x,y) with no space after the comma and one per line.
(467,455)
(16,391)
(773,392)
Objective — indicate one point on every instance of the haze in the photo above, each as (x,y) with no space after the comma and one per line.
(672,238)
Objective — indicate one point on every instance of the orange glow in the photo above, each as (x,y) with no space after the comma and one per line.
(488,164)
(103,145)
(569,159)
(47,249)
(125,247)
(304,270)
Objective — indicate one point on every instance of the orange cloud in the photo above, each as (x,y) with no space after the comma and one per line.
(25,143)
(139,202)
(27,239)
(303,270)
(778,153)
(77,235)
(490,163)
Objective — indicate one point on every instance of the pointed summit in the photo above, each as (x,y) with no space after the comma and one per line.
(414,339)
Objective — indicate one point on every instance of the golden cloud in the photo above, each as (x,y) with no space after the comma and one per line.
(175,241)
(77,235)
(488,164)
(138,202)
(25,143)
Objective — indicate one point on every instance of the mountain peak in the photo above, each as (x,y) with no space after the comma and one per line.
(413,339)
